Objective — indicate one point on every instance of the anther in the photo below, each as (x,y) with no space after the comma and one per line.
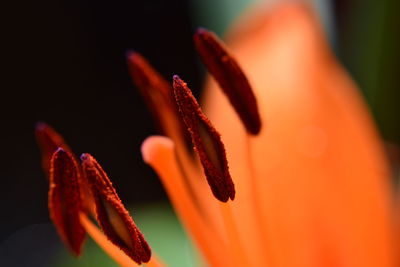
(156,91)
(64,199)
(207,142)
(230,77)
(49,140)
(111,214)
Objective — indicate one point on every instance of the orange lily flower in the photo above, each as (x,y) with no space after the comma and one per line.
(307,183)
(321,177)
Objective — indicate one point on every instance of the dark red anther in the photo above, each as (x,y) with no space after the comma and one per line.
(111,214)
(230,77)
(49,140)
(64,199)
(156,91)
(207,142)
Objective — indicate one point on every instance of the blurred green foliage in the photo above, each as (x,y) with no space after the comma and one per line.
(369,47)
(218,15)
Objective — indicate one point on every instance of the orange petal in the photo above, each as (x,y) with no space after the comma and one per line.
(111,214)
(64,199)
(321,173)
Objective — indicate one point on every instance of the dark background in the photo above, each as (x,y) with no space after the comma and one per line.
(64,64)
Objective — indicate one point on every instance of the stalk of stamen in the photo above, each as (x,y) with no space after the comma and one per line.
(236,249)
(244,208)
(155,262)
(256,203)
(112,216)
(158,152)
(207,142)
(230,77)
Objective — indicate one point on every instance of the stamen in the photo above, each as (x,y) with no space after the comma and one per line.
(230,77)
(156,91)
(64,199)
(207,142)
(112,216)
(160,99)
(49,140)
